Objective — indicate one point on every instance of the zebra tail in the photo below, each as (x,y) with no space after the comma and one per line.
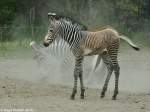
(96,62)
(130,42)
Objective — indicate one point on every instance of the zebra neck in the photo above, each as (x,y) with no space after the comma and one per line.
(72,37)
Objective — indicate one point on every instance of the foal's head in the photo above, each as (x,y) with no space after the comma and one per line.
(52,29)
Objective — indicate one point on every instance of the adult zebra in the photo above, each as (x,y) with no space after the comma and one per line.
(86,43)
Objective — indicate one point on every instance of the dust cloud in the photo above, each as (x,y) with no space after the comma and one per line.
(47,68)
(58,69)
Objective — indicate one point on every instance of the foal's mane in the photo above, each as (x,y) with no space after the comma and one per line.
(70,20)
(100,28)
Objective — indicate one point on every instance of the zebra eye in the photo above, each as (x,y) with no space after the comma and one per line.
(51,30)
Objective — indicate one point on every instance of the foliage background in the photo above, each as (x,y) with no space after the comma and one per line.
(27,19)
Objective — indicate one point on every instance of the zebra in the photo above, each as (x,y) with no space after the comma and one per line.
(104,43)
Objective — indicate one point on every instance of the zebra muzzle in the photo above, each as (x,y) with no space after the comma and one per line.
(46,44)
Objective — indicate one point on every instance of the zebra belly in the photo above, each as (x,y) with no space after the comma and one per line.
(90,52)
(87,51)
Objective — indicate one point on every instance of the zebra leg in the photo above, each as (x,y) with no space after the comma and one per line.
(113,51)
(77,72)
(75,85)
(81,85)
(81,79)
(117,72)
(108,63)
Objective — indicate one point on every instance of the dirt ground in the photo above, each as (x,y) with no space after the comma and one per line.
(25,85)
(19,94)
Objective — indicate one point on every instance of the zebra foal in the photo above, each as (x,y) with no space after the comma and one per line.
(104,43)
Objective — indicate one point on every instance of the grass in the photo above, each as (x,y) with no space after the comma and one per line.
(16,49)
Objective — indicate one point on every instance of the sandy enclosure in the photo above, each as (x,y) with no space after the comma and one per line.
(24,84)
(51,98)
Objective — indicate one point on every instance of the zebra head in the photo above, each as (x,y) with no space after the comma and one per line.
(52,29)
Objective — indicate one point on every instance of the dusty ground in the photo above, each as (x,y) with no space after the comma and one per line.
(24,85)
(51,98)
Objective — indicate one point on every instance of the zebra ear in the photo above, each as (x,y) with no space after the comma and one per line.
(53,16)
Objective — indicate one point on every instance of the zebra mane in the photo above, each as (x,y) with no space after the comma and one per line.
(69,20)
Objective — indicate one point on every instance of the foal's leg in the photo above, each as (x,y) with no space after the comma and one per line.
(117,73)
(81,83)
(109,65)
(78,73)
(81,77)
(113,51)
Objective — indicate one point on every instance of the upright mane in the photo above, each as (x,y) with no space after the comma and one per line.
(70,20)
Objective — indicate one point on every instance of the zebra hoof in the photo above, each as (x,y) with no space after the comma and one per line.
(72,97)
(113,98)
(81,97)
(102,95)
